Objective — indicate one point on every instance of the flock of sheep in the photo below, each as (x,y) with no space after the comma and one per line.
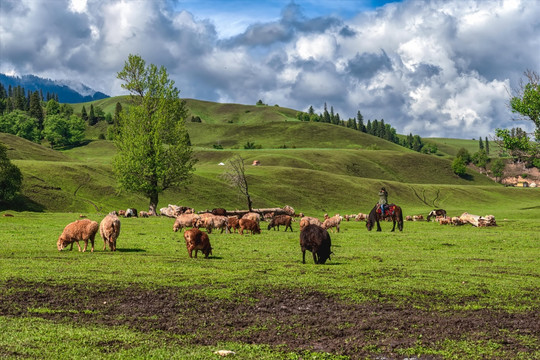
(314,234)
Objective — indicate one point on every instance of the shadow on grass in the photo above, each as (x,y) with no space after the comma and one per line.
(21,203)
(130,250)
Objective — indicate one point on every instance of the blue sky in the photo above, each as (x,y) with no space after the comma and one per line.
(436,68)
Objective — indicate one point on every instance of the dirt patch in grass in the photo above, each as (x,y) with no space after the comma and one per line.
(296,319)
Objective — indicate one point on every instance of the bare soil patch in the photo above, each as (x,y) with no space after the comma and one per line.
(296,320)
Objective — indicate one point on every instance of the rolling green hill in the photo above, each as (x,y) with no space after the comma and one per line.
(314,167)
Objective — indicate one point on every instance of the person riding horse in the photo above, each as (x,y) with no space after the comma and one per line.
(383,199)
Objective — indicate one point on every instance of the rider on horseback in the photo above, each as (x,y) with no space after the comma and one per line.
(383,199)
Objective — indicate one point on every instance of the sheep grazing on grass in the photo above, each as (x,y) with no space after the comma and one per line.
(252,216)
(144,214)
(109,229)
(278,220)
(80,230)
(233,223)
(212,222)
(184,221)
(247,224)
(197,240)
(307,220)
(332,222)
(317,240)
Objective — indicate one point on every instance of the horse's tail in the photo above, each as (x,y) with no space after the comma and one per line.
(400,217)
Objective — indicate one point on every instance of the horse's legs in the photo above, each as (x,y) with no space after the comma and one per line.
(378,226)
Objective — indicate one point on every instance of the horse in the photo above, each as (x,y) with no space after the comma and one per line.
(392,211)
(436,213)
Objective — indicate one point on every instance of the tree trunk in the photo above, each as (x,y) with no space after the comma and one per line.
(249,203)
(153,203)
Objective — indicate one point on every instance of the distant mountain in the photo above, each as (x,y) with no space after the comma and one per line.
(68,91)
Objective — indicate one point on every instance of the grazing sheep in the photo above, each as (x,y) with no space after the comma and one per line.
(408,218)
(212,222)
(184,221)
(144,214)
(219,211)
(248,224)
(122,213)
(332,222)
(233,223)
(444,221)
(361,217)
(418,217)
(131,212)
(317,240)
(252,216)
(109,229)
(456,220)
(307,220)
(197,240)
(280,220)
(80,230)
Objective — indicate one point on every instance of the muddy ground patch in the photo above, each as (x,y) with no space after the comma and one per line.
(296,319)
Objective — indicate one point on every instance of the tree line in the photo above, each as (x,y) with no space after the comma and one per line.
(373,127)
(36,117)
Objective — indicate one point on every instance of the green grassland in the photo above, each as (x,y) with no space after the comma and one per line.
(428,271)
(427,267)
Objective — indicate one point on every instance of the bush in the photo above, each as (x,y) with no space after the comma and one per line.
(10,176)
(459,166)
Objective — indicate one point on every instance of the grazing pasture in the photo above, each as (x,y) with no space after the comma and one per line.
(431,291)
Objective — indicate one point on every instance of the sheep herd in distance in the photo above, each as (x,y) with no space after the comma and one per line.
(314,236)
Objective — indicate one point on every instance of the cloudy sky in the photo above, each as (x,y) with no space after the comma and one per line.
(434,68)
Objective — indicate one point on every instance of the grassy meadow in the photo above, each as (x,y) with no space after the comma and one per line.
(429,292)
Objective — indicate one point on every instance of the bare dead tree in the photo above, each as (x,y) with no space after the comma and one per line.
(431,203)
(235,175)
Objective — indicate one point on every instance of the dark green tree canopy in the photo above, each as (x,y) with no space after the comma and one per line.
(10,176)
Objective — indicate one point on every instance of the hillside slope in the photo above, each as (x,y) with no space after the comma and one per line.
(313,167)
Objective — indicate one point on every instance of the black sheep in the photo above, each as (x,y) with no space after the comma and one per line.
(317,240)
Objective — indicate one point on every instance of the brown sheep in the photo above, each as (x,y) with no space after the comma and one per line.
(233,223)
(197,240)
(361,217)
(109,229)
(248,224)
(280,220)
(332,222)
(184,221)
(80,230)
(408,218)
(306,220)
(122,213)
(252,216)
(219,211)
(144,214)
(212,222)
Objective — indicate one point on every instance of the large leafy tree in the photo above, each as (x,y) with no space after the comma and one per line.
(526,100)
(10,176)
(154,151)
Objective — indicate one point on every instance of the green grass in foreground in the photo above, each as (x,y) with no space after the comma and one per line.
(428,266)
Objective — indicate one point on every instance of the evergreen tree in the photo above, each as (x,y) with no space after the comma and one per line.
(311,111)
(368,127)
(480,144)
(92,120)
(36,110)
(487,145)
(84,115)
(360,119)
(3,92)
(326,115)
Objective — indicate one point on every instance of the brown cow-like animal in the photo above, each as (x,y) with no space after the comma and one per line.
(233,223)
(80,230)
(307,220)
(280,220)
(197,240)
(109,229)
(247,224)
